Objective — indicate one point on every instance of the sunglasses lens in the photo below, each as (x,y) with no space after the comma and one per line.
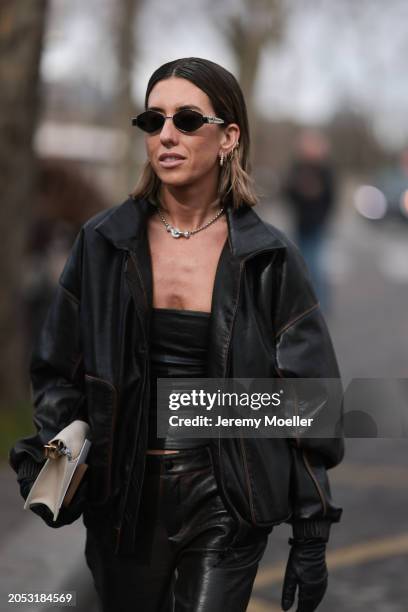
(188,120)
(150,121)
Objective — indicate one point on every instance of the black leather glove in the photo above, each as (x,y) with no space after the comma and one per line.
(67,514)
(27,475)
(25,487)
(306,567)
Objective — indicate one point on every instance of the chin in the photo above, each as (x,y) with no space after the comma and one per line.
(174,179)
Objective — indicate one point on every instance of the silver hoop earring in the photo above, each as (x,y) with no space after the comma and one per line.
(222,159)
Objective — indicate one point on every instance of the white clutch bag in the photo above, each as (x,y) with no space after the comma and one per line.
(64,469)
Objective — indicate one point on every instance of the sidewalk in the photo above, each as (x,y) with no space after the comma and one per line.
(35,558)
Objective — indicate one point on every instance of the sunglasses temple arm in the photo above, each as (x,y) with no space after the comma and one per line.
(213,120)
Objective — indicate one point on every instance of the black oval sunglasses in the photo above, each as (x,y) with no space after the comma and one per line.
(185,120)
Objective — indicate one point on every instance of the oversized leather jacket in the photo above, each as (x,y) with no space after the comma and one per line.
(92,362)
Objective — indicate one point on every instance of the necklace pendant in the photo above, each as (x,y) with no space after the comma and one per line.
(175,232)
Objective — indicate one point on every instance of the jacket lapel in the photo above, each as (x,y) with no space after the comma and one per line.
(140,281)
(247,235)
(126,228)
(124,225)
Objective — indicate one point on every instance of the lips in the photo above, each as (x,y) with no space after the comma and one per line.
(171,156)
(171,160)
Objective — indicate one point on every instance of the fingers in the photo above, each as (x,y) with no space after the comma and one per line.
(289,587)
(78,501)
(25,487)
(64,517)
(42,511)
(310,596)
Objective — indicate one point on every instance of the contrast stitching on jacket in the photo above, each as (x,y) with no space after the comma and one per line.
(76,366)
(70,295)
(312,476)
(295,319)
(241,267)
(133,260)
(280,375)
(102,380)
(251,504)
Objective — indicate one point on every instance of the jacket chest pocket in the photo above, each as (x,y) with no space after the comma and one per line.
(101,398)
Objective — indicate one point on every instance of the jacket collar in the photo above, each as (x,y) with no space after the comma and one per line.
(125,226)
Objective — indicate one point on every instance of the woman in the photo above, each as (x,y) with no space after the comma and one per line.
(184,279)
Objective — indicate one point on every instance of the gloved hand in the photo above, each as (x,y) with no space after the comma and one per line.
(67,514)
(306,567)
(25,487)
(28,473)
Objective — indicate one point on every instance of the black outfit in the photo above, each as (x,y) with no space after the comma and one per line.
(178,349)
(93,357)
(182,521)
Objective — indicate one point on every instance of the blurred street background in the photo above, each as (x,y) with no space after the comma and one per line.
(327,93)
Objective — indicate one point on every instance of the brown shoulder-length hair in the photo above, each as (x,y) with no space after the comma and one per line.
(235,185)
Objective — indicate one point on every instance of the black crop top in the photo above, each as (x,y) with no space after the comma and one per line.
(178,349)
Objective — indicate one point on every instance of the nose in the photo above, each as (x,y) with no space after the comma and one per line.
(169,134)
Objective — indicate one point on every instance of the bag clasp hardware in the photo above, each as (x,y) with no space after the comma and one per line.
(57,449)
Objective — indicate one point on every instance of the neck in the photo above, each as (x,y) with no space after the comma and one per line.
(190,207)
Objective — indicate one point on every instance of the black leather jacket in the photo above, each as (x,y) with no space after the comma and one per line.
(92,362)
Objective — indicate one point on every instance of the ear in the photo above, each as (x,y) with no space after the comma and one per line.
(230,137)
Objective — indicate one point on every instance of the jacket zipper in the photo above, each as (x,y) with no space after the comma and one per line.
(134,261)
(318,487)
(295,438)
(241,446)
(121,331)
(306,461)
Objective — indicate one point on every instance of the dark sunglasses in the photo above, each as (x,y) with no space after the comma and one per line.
(185,120)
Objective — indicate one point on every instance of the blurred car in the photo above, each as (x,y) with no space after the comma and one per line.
(386,198)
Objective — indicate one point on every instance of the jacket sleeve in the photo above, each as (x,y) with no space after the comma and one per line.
(56,368)
(304,350)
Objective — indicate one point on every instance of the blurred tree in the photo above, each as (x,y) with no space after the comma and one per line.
(21,35)
(258,23)
(124,108)
(355,147)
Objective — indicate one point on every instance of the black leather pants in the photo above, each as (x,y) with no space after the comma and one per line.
(194,556)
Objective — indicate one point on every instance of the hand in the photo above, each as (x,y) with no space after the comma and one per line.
(27,474)
(306,569)
(67,514)
(25,487)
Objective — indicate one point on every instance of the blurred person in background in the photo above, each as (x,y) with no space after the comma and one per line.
(310,189)
(185,280)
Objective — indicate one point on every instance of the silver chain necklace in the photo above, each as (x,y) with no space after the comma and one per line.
(176,232)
